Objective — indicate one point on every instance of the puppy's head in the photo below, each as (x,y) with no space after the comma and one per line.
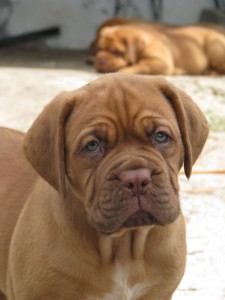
(118,144)
(117,47)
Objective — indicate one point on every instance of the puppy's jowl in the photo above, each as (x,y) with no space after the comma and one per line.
(92,211)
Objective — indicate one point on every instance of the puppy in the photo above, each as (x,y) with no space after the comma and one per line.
(154,48)
(117,21)
(95,213)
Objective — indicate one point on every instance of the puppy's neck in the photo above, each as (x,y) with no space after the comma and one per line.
(129,244)
(125,245)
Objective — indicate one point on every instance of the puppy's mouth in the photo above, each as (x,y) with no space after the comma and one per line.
(140,218)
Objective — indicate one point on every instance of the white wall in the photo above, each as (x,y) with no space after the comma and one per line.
(79,19)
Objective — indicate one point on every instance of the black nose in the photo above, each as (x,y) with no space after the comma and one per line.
(136,181)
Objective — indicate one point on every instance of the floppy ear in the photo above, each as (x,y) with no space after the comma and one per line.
(44,142)
(135,43)
(131,53)
(134,47)
(192,123)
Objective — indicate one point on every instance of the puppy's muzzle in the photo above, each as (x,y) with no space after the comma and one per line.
(135,181)
(135,184)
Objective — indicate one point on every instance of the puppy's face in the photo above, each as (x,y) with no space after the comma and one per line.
(123,152)
(115,48)
(118,144)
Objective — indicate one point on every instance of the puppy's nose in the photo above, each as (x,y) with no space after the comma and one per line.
(136,181)
(100,63)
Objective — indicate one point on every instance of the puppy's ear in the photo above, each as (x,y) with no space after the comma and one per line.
(134,47)
(131,53)
(44,142)
(192,123)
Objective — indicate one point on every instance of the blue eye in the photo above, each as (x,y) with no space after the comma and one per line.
(161,137)
(92,146)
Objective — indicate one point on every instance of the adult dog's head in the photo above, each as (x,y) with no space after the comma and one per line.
(118,145)
(118,46)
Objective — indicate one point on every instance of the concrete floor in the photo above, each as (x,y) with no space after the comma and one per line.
(30,78)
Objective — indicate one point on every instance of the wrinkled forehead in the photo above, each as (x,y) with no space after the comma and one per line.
(127,94)
(110,40)
(108,31)
(123,101)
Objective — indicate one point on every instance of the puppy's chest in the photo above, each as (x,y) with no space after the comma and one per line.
(124,286)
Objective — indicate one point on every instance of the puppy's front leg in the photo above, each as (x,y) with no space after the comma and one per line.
(150,66)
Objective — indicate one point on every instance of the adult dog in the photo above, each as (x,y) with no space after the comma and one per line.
(134,46)
(97,215)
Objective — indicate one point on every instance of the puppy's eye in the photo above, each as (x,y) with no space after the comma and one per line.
(92,146)
(161,137)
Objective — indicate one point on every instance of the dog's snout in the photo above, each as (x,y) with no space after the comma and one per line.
(100,63)
(136,181)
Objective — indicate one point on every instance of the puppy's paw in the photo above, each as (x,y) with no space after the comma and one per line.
(178,71)
(128,70)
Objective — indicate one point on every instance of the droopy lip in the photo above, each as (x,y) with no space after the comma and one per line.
(140,218)
(137,219)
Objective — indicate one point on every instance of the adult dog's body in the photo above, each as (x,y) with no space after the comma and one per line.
(101,218)
(134,46)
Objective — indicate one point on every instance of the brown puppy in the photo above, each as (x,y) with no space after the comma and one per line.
(154,48)
(117,21)
(102,220)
